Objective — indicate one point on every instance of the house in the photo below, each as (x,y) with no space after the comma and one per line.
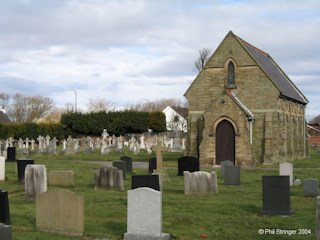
(244,108)
(314,131)
(176,118)
(3,116)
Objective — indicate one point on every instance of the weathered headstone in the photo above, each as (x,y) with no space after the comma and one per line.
(61,178)
(232,175)
(310,187)
(108,178)
(35,180)
(150,181)
(5,232)
(286,169)
(4,207)
(144,215)
(200,182)
(128,161)
(120,165)
(11,154)
(2,168)
(276,195)
(21,166)
(152,164)
(223,165)
(176,147)
(59,210)
(188,163)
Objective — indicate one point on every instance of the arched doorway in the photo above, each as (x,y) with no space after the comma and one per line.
(225,142)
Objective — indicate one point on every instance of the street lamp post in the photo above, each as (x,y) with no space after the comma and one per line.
(75,99)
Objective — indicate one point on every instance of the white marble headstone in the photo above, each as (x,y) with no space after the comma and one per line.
(2,168)
(286,169)
(144,214)
(35,180)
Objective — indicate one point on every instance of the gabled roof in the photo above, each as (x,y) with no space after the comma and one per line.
(282,81)
(315,121)
(4,118)
(182,111)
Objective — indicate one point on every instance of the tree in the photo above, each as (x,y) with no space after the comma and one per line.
(99,105)
(202,60)
(4,100)
(27,109)
(157,121)
(156,105)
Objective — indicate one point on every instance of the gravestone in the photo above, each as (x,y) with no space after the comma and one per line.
(4,207)
(11,154)
(120,165)
(152,164)
(21,166)
(318,219)
(35,180)
(61,178)
(60,210)
(232,175)
(108,178)
(223,165)
(276,195)
(286,169)
(188,163)
(2,169)
(150,181)
(5,232)
(200,182)
(310,187)
(176,147)
(144,215)
(128,161)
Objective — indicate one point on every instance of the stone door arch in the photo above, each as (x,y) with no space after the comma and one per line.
(225,142)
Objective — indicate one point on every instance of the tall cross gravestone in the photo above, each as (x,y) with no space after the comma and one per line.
(159,171)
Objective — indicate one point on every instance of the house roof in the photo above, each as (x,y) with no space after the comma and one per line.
(282,81)
(182,111)
(4,118)
(315,121)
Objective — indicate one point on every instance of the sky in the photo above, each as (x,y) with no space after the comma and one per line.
(133,51)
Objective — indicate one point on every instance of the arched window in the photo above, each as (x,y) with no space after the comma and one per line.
(231,75)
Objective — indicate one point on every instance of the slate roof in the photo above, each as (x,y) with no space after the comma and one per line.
(182,111)
(4,118)
(286,87)
(315,121)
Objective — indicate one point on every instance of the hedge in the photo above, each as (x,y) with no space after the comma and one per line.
(30,130)
(117,123)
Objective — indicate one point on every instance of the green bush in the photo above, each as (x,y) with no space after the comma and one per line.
(157,121)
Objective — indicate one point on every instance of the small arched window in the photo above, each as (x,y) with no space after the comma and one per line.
(231,75)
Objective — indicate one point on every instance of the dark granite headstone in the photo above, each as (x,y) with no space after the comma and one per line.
(4,207)
(150,181)
(11,154)
(128,161)
(276,195)
(152,164)
(188,163)
(120,165)
(21,165)
(310,187)
(232,175)
(223,165)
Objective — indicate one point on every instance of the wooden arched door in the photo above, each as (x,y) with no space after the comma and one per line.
(225,142)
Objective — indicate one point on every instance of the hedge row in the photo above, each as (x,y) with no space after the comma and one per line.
(30,130)
(117,123)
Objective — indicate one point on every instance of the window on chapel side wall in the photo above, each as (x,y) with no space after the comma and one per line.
(231,75)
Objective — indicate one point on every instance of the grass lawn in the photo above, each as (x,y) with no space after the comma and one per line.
(234,213)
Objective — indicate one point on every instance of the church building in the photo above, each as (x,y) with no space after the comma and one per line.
(244,108)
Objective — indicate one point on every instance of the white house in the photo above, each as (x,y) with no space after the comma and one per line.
(176,118)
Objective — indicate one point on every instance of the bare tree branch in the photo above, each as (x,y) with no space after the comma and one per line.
(202,60)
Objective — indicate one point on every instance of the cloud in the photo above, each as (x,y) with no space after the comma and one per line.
(129,50)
